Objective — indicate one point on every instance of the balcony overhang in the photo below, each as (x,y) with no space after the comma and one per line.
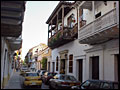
(101,37)
(86,5)
(14,43)
(100,30)
(11,30)
(12,14)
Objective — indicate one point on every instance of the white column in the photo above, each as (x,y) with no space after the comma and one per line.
(93,9)
(78,20)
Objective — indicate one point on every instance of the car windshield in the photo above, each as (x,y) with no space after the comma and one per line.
(72,78)
(62,77)
(31,74)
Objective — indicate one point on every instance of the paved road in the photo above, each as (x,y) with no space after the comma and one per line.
(16,81)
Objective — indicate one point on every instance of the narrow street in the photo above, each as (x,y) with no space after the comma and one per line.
(60,45)
(16,81)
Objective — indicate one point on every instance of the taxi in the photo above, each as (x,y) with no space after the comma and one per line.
(24,70)
(32,79)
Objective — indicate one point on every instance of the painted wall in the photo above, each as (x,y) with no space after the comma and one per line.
(106,53)
(74,48)
(99,7)
(5,61)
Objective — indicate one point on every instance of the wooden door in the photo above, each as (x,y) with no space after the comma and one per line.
(95,67)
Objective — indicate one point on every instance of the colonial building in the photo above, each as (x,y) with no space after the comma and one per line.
(12,14)
(101,32)
(33,56)
(67,54)
(46,55)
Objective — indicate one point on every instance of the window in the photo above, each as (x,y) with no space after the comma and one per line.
(85,85)
(106,86)
(70,63)
(98,15)
(57,63)
(94,85)
(71,20)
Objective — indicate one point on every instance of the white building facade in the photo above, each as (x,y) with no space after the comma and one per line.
(68,58)
(101,32)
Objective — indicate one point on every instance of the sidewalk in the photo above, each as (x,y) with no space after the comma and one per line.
(14,82)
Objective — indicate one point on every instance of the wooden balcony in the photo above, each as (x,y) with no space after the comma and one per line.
(62,37)
(100,30)
(12,14)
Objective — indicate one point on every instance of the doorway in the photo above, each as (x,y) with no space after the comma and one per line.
(53,64)
(116,64)
(80,69)
(95,67)
(49,66)
(118,67)
(62,67)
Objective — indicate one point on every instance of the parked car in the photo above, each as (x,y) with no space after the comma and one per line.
(38,71)
(62,81)
(32,79)
(97,84)
(23,70)
(42,73)
(47,76)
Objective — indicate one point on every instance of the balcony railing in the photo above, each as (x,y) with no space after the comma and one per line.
(63,36)
(101,24)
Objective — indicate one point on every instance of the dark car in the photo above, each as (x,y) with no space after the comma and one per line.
(47,76)
(97,84)
(62,81)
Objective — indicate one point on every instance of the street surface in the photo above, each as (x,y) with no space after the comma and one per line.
(15,82)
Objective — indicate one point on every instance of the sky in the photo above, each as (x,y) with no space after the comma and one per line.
(35,29)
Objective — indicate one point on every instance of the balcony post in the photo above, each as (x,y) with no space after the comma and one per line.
(48,31)
(62,17)
(93,9)
(78,19)
(57,20)
(51,29)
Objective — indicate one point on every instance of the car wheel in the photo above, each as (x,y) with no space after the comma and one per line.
(50,86)
(23,86)
(39,86)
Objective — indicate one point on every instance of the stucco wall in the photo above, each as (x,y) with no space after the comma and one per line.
(5,61)
(74,48)
(106,53)
(99,7)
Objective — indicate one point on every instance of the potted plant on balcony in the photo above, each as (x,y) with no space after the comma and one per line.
(58,36)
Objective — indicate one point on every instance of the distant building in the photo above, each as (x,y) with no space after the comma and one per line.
(45,53)
(32,55)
